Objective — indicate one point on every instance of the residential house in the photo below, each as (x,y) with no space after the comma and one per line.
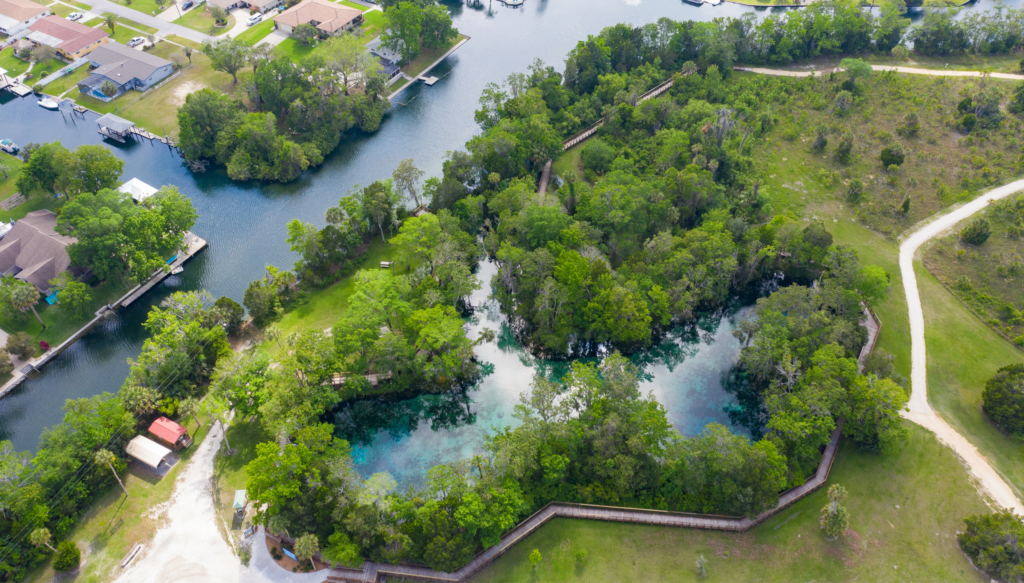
(126,68)
(228,4)
(328,17)
(71,39)
(262,5)
(32,250)
(17,15)
(388,58)
(170,433)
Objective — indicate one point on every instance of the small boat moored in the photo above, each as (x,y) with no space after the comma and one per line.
(9,146)
(177,270)
(47,103)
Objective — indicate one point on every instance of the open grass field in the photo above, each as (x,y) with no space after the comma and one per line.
(294,50)
(93,22)
(255,34)
(68,82)
(32,204)
(134,24)
(76,4)
(184,41)
(40,70)
(942,166)
(994,271)
(427,58)
(123,34)
(10,61)
(157,111)
(114,523)
(62,10)
(145,6)
(373,25)
(359,7)
(59,323)
(200,20)
(905,511)
(13,168)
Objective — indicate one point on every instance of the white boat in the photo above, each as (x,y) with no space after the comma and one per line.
(9,146)
(177,270)
(48,103)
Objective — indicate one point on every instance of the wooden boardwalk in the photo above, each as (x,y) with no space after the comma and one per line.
(371,571)
(193,245)
(874,327)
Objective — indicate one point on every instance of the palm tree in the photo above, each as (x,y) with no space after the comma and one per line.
(106,457)
(110,20)
(4,168)
(190,406)
(41,536)
(306,546)
(110,90)
(188,51)
(24,296)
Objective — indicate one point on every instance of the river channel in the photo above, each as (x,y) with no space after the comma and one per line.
(245,227)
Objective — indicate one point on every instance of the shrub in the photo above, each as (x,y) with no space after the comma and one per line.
(581,556)
(892,156)
(968,122)
(37,88)
(977,232)
(965,105)
(1003,399)
(597,155)
(845,147)
(995,543)
(6,365)
(820,139)
(68,556)
(702,566)
(21,345)
(535,558)
(855,191)
(911,125)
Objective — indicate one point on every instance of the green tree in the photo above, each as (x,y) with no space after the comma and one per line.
(892,155)
(41,537)
(995,544)
(110,20)
(535,558)
(220,16)
(74,297)
(340,550)
(702,566)
(874,421)
(835,518)
(1003,399)
(306,546)
(21,344)
(109,89)
(68,556)
(437,31)
(43,54)
(41,169)
(23,296)
(105,457)
(201,119)
(406,178)
(346,56)
(227,55)
(88,169)
(402,28)
(417,238)
(976,232)
(856,69)
(190,407)
(380,202)
(305,33)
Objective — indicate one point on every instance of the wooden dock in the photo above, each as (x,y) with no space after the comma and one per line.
(372,572)
(193,245)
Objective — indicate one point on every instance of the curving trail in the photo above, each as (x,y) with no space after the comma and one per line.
(920,411)
(905,70)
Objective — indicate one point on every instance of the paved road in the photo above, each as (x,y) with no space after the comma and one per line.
(921,411)
(163,27)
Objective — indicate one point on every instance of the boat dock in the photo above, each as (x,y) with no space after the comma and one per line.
(193,245)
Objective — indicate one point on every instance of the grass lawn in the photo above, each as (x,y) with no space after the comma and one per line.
(200,20)
(158,110)
(256,33)
(427,58)
(1009,63)
(229,473)
(569,163)
(62,10)
(184,41)
(144,6)
(34,203)
(133,24)
(59,324)
(994,271)
(67,82)
(10,61)
(400,85)
(294,50)
(359,7)
(93,22)
(41,70)
(13,164)
(904,513)
(123,34)
(373,25)
(114,523)
(78,4)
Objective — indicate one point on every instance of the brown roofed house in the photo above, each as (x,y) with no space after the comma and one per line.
(326,16)
(32,251)
(17,15)
(71,39)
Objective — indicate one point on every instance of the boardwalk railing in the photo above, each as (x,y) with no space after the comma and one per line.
(372,571)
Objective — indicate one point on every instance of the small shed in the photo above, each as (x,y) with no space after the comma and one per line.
(137,189)
(115,128)
(240,501)
(385,265)
(170,433)
(147,451)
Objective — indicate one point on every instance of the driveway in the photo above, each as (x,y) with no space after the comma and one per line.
(921,411)
(241,15)
(275,38)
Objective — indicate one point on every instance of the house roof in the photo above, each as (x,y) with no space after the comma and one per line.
(118,124)
(64,34)
(167,430)
(262,5)
(21,10)
(137,189)
(222,3)
(147,451)
(35,249)
(121,64)
(330,17)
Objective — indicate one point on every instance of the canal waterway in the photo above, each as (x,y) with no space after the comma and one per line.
(245,227)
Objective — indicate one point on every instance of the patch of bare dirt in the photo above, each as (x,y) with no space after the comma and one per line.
(183,90)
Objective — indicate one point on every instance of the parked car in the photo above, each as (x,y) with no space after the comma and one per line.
(75,16)
(187,5)
(136,42)
(254,19)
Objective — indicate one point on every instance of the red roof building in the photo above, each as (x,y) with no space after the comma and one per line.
(71,39)
(171,433)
